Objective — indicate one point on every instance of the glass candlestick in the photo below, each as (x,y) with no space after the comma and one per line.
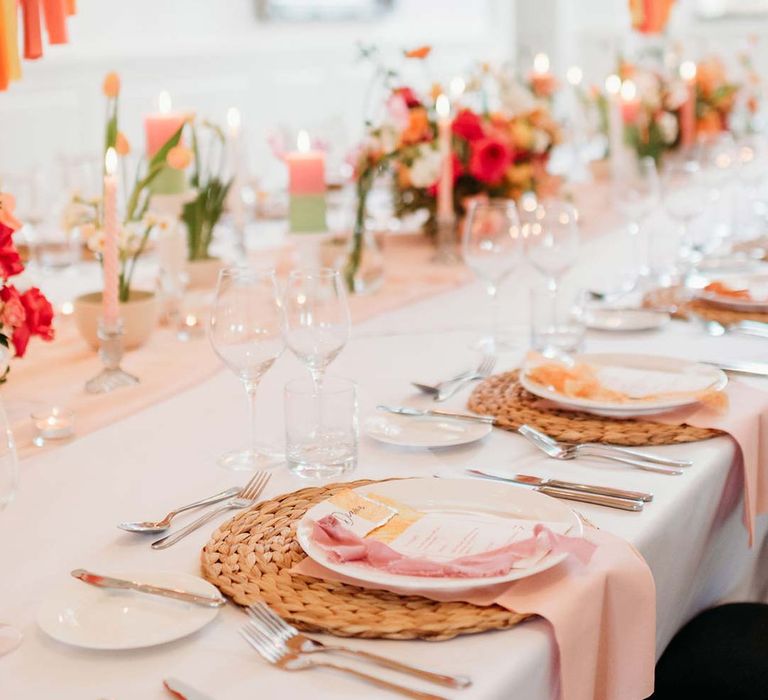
(447,250)
(111,352)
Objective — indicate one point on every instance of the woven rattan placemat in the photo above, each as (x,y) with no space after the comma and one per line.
(249,559)
(674,299)
(503,397)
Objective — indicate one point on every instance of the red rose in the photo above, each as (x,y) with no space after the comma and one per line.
(408,97)
(13,314)
(39,313)
(489,160)
(468,125)
(10,261)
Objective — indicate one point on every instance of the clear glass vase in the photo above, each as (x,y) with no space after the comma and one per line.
(364,265)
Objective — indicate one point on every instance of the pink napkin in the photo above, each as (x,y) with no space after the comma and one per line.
(746,422)
(602,616)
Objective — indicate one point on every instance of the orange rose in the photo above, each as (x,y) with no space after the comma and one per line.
(710,75)
(418,127)
(709,123)
(111,85)
(179,158)
(122,146)
(421,52)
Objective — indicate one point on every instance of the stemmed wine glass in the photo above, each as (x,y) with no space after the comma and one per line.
(684,195)
(246,333)
(317,321)
(552,240)
(635,196)
(10,637)
(492,247)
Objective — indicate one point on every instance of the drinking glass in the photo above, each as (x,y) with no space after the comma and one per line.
(10,637)
(321,429)
(719,159)
(492,247)
(317,323)
(635,196)
(684,195)
(246,333)
(557,321)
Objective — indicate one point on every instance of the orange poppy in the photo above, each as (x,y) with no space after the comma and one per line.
(420,52)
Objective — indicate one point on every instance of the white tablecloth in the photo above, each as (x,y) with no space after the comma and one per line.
(71,498)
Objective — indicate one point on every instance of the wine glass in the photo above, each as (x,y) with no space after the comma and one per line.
(10,637)
(317,322)
(552,242)
(492,247)
(684,196)
(246,333)
(635,196)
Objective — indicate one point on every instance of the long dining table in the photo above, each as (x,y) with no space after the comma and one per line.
(71,497)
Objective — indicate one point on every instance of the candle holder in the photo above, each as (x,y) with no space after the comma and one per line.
(52,423)
(447,243)
(111,352)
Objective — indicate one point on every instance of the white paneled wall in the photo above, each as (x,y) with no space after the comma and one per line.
(213,54)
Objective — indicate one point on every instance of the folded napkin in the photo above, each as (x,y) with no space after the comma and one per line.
(602,616)
(746,423)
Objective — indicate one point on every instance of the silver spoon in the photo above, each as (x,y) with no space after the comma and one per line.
(165,523)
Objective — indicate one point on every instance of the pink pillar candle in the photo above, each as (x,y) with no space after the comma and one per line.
(161,126)
(445,211)
(110,257)
(688,108)
(306,168)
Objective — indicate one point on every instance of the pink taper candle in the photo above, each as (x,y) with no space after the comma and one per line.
(688,108)
(445,211)
(110,262)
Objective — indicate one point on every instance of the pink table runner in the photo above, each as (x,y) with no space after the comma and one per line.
(55,373)
(602,616)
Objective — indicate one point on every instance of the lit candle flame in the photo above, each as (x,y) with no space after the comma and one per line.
(613,84)
(574,75)
(687,70)
(541,63)
(442,106)
(110,161)
(628,91)
(302,142)
(67,308)
(233,118)
(164,103)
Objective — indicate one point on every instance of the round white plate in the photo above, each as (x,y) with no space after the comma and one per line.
(415,431)
(101,618)
(450,496)
(756,284)
(625,319)
(718,380)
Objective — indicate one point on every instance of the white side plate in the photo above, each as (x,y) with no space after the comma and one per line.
(427,431)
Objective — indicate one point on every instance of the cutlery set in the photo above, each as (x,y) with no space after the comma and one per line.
(444,390)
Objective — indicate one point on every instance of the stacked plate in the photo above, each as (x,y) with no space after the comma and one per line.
(486,503)
(755,300)
(651,384)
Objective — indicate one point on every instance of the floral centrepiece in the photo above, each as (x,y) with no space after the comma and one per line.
(22,314)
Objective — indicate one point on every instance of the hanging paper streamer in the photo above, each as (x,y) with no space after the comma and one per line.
(650,16)
(53,12)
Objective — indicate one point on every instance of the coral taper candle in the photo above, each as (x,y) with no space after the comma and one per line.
(630,104)
(109,261)
(688,108)
(445,211)
(306,186)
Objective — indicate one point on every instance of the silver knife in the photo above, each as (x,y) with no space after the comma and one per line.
(758,369)
(183,691)
(434,412)
(593,498)
(570,485)
(110,582)
(757,328)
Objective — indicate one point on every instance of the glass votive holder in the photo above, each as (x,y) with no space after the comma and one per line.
(321,428)
(52,423)
(557,321)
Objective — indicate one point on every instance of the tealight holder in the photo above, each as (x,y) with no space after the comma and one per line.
(190,327)
(111,352)
(447,242)
(52,423)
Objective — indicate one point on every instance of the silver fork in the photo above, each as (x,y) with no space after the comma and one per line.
(484,369)
(245,499)
(529,431)
(275,652)
(274,625)
(557,450)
